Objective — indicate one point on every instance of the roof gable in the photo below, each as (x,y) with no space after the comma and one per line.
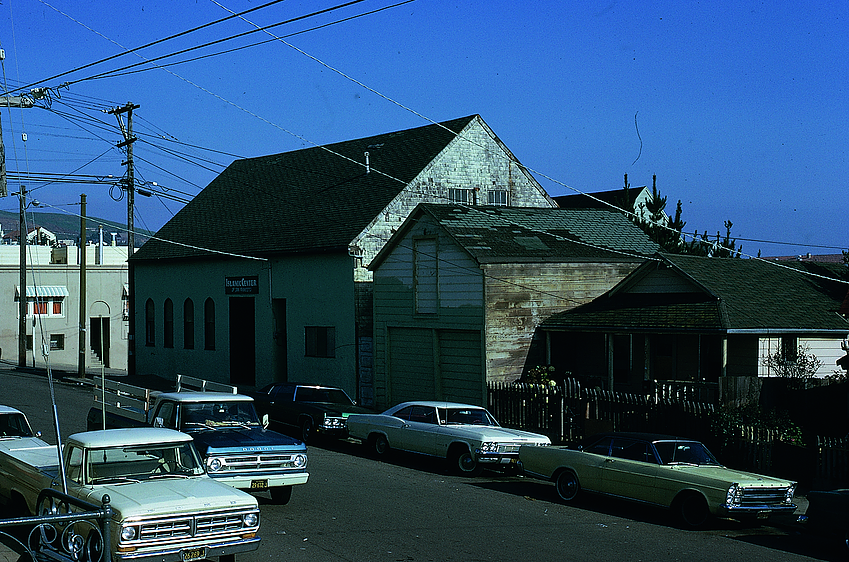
(504,234)
(717,294)
(312,200)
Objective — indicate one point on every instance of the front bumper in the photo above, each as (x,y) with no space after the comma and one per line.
(175,554)
(259,482)
(755,511)
(496,458)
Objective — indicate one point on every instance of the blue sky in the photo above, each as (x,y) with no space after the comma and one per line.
(739,108)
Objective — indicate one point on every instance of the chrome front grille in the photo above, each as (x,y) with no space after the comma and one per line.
(189,528)
(753,497)
(259,462)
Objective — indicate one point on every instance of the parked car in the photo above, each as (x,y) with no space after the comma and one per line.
(672,472)
(467,436)
(311,410)
(828,515)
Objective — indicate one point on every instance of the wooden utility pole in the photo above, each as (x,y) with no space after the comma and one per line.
(22,305)
(129,139)
(83,252)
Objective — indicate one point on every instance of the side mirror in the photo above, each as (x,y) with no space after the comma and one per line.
(265,421)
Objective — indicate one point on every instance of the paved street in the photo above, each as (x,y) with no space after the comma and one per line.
(410,509)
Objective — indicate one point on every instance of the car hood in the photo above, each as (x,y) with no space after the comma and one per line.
(168,496)
(244,439)
(336,410)
(730,475)
(491,433)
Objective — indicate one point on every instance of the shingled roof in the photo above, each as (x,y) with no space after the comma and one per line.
(727,295)
(501,234)
(312,200)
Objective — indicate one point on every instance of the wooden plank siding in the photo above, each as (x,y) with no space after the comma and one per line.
(519,296)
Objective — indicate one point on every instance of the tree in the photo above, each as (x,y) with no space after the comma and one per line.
(799,365)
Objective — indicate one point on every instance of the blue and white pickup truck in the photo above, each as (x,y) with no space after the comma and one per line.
(236,446)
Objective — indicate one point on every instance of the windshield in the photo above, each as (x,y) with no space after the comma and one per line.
(328,395)
(144,462)
(466,416)
(14,425)
(684,452)
(219,414)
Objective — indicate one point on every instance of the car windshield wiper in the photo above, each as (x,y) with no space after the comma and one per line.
(683,463)
(115,480)
(168,475)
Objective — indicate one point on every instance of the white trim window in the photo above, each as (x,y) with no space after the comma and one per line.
(44,300)
(498,197)
(459,195)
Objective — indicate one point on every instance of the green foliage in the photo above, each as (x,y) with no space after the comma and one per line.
(541,374)
(727,423)
(799,365)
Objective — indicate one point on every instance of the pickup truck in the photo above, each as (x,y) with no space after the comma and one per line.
(164,506)
(236,447)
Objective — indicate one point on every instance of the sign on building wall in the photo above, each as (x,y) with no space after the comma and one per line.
(241,285)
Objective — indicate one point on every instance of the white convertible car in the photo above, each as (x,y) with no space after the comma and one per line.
(467,436)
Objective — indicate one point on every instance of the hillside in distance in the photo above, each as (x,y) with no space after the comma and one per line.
(67,227)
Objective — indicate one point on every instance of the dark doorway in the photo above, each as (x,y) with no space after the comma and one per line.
(99,338)
(280,356)
(242,341)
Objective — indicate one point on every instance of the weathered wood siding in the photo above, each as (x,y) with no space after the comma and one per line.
(519,296)
(428,355)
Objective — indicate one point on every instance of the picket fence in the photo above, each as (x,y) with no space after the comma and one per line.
(567,412)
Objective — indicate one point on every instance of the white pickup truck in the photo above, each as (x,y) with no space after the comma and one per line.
(164,506)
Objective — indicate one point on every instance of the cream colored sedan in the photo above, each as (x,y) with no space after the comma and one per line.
(672,472)
(467,436)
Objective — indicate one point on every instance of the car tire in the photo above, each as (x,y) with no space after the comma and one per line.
(281,495)
(379,445)
(692,510)
(306,430)
(465,464)
(567,485)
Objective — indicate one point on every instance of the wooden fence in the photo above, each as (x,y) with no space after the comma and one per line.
(568,412)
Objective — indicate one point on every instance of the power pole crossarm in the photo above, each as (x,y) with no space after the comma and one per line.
(8,101)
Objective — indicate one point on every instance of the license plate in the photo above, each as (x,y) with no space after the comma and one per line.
(763,515)
(190,554)
(259,484)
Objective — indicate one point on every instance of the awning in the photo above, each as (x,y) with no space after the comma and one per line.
(42,291)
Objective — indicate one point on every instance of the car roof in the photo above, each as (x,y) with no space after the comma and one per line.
(129,436)
(639,436)
(205,397)
(436,404)
(9,410)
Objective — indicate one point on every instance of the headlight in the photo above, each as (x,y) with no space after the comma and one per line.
(214,464)
(299,461)
(489,447)
(791,491)
(734,496)
(251,520)
(128,533)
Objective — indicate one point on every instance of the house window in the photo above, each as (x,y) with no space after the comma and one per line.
(209,324)
(168,340)
(789,348)
(57,342)
(425,276)
(39,308)
(459,195)
(188,324)
(149,324)
(497,197)
(57,308)
(320,341)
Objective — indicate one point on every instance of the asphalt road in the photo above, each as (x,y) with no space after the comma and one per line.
(355,508)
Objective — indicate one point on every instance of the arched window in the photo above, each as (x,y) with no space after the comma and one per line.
(168,340)
(209,324)
(149,324)
(188,324)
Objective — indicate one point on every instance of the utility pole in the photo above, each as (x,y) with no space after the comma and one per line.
(83,252)
(22,305)
(129,139)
